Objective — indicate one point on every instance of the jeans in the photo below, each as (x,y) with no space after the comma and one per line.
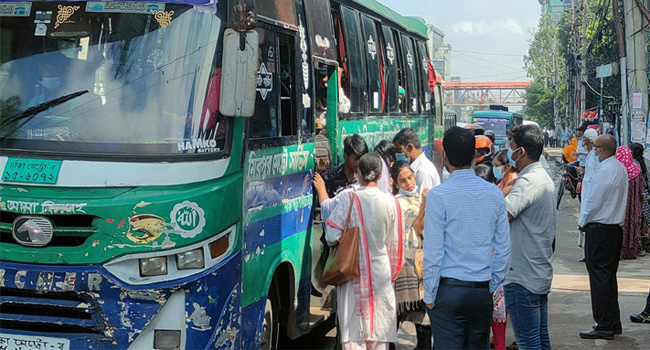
(529,316)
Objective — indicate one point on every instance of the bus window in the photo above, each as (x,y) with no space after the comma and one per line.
(411,74)
(289,123)
(390,70)
(264,122)
(372,62)
(356,71)
(401,71)
(425,92)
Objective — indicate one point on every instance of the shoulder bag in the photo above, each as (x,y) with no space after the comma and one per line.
(343,262)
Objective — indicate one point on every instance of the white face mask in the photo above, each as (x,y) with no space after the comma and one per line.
(409,193)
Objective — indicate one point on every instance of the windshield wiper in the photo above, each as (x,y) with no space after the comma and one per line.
(31,111)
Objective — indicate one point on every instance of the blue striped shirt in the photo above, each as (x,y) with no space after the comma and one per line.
(466,233)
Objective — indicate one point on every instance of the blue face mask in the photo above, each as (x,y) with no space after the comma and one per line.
(406,193)
(497,172)
(595,157)
(402,157)
(510,160)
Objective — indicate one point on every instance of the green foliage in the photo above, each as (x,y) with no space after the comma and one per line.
(539,104)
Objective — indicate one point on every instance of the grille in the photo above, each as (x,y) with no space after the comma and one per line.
(58,312)
(69,230)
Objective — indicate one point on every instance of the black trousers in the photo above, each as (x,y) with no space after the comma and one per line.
(602,253)
(461,315)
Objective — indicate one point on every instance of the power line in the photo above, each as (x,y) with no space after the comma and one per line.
(488,53)
(484,60)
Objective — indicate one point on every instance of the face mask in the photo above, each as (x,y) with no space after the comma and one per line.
(402,157)
(497,172)
(409,193)
(510,160)
(51,83)
(595,157)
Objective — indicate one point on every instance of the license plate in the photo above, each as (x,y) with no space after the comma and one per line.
(31,170)
(28,342)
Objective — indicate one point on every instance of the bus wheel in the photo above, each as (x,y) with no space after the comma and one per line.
(270,326)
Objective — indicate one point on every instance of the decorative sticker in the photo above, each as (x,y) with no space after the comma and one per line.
(40,30)
(43,17)
(425,65)
(323,43)
(124,6)
(264,81)
(306,99)
(390,53)
(372,47)
(188,219)
(409,60)
(145,228)
(15,9)
(164,18)
(64,13)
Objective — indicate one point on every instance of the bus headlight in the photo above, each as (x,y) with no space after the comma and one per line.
(190,260)
(167,339)
(153,266)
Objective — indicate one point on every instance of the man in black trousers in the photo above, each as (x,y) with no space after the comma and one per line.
(601,217)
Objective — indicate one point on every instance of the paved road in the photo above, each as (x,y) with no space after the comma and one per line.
(569,301)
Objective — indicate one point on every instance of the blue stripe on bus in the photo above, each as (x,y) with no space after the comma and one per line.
(266,232)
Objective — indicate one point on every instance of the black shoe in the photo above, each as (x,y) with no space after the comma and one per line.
(640,318)
(315,292)
(582,260)
(596,334)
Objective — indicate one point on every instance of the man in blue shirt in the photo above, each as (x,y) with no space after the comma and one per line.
(464,258)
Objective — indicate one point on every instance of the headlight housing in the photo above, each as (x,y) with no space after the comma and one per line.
(173,264)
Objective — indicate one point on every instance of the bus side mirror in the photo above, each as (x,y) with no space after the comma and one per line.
(239,73)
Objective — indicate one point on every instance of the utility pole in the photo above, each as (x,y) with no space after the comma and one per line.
(556,83)
(582,45)
(635,120)
(620,38)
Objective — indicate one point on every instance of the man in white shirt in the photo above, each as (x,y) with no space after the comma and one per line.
(590,169)
(601,217)
(408,148)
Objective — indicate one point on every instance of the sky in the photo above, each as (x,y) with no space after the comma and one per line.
(489,38)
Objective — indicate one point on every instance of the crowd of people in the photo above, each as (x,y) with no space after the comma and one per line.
(422,260)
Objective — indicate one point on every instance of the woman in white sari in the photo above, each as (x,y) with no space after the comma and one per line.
(366,305)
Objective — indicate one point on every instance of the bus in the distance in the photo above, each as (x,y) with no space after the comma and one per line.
(157,162)
(499,120)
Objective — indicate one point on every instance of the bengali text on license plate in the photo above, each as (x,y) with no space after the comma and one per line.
(28,342)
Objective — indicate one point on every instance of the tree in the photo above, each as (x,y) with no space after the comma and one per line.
(539,103)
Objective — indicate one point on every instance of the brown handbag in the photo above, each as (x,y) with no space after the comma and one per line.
(343,262)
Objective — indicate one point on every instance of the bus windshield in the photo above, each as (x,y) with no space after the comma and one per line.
(496,125)
(140,78)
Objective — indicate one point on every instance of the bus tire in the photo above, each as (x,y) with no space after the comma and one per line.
(270,324)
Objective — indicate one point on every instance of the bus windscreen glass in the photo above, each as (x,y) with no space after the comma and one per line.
(498,126)
(125,78)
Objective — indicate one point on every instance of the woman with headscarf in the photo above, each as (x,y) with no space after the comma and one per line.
(637,153)
(366,306)
(568,154)
(632,225)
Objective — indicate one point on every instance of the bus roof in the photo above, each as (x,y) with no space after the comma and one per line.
(494,114)
(415,25)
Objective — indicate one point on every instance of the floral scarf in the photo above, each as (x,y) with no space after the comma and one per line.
(624,156)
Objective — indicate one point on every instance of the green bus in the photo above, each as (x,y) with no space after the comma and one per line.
(498,121)
(157,162)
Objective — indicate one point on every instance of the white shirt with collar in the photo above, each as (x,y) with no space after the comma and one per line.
(607,196)
(591,168)
(426,174)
